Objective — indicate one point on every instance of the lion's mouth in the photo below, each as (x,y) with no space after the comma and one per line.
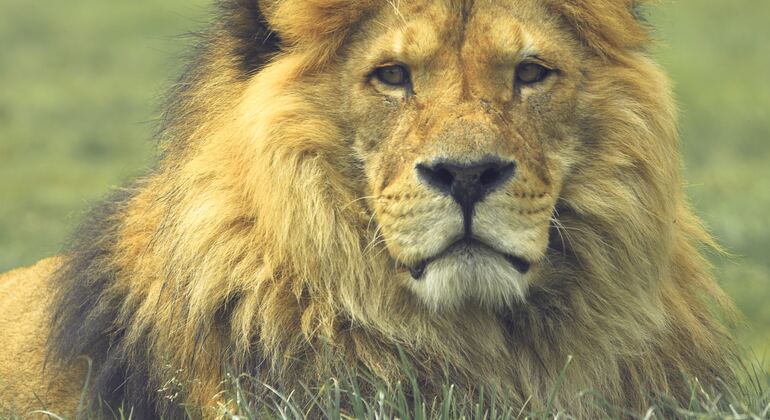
(468,247)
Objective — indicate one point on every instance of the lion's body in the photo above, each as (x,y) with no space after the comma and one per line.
(25,299)
(272,237)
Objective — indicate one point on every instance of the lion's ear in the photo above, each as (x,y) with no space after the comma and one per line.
(606,26)
(316,27)
(307,22)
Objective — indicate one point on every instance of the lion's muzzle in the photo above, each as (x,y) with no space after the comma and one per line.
(465,211)
(467,183)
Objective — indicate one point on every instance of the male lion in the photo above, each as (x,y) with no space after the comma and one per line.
(488,187)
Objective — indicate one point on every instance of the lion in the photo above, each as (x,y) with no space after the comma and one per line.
(487,188)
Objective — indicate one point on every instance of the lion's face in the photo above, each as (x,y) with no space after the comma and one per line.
(464,122)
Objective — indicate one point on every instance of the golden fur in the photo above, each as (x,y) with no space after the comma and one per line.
(276,233)
(25,297)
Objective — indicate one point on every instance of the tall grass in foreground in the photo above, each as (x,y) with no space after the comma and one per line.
(360,396)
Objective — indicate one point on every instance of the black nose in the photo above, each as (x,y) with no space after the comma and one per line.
(467,183)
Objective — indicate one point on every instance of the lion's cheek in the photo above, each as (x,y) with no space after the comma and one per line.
(416,228)
(515,226)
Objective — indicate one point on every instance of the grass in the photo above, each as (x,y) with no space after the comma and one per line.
(81,81)
(357,395)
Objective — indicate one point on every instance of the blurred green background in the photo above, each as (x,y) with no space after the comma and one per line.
(81,82)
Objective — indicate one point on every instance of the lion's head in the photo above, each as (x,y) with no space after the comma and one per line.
(491,184)
(467,121)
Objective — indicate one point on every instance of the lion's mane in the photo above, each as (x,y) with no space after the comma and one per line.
(247,248)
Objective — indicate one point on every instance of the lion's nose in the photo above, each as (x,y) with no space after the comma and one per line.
(468,184)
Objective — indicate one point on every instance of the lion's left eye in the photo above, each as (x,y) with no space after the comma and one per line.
(393,75)
(531,73)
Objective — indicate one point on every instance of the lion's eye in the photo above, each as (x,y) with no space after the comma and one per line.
(531,73)
(393,75)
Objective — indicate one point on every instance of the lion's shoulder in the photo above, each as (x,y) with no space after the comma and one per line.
(33,278)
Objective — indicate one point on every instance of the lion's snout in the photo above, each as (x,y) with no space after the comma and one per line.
(466,183)
(466,229)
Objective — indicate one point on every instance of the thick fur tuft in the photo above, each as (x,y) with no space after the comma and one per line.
(91,315)
(253,42)
(607,26)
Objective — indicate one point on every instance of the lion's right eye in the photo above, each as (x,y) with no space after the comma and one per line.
(393,75)
(531,73)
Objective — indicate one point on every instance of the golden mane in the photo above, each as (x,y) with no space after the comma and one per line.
(249,248)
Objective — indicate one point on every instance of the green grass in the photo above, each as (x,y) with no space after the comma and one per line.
(80,84)
(357,395)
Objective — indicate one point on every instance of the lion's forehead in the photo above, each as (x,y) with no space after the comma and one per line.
(501,30)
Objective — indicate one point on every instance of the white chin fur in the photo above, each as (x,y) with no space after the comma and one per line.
(483,276)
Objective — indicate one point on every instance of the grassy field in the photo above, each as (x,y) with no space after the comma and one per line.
(80,84)
(717,54)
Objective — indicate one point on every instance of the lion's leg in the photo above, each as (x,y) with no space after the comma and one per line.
(26,384)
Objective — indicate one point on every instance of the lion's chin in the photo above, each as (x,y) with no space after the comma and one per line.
(470,272)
